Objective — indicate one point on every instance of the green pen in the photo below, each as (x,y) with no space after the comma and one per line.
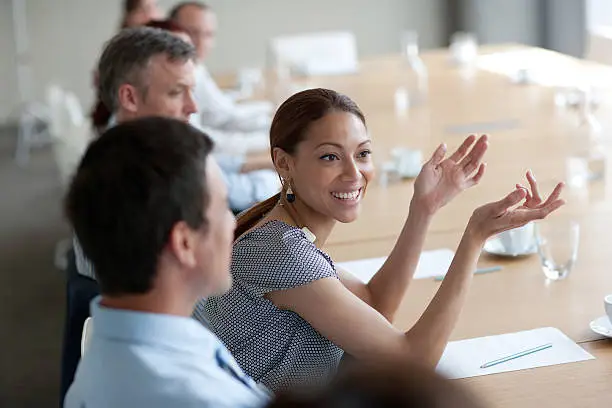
(517,355)
(477,272)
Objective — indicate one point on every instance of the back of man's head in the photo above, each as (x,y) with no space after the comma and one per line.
(127,55)
(133,185)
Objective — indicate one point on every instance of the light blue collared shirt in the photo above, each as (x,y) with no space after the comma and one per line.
(137,359)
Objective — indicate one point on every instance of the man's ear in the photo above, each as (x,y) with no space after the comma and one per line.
(128,97)
(182,244)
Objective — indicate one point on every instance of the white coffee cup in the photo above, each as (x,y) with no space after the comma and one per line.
(608,306)
(518,240)
(407,161)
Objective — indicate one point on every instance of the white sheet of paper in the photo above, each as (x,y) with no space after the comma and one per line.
(462,359)
(431,264)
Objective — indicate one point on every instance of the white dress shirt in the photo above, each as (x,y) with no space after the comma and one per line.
(217,110)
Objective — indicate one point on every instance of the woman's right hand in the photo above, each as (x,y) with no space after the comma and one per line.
(503,215)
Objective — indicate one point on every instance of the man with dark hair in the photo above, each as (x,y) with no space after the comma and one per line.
(143,72)
(149,206)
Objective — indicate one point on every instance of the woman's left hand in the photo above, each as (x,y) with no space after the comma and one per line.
(533,200)
(441,180)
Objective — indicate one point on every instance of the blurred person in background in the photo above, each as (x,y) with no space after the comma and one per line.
(249,175)
(167,62)
(101,115)
(134,13)
(250,178)
(217,110)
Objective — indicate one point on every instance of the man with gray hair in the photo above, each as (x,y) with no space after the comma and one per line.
(147,72)
(150,72)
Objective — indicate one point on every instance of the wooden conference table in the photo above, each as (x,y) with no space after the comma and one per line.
(527,131)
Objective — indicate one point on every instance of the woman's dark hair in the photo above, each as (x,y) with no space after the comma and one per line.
(391,386)
(101,114)
(288,130)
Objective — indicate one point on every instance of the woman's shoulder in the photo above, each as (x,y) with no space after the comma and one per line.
(277,238)
(281,248)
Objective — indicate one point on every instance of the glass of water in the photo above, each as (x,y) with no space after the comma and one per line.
(463,48)
(410,44)
(557,243)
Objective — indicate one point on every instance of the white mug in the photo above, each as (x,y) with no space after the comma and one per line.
(407,161)
(608,306)
(518,240)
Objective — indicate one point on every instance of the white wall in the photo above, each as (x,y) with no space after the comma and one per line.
(65,53)
(566,25)
(599,12)
(8,76)
(498,21)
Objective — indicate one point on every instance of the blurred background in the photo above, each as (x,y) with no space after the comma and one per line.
(46,42)
(65,36)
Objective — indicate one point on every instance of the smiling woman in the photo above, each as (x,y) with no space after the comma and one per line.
(290,313)
(326,127)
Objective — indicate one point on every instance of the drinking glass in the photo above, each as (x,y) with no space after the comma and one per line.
(586,104)
(557,243)
(410,44)
(463,48)
(413,81)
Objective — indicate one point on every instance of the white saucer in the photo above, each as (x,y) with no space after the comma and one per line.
(602,326)
(495,247)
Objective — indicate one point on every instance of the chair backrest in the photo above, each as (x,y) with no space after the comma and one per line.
(599,47)
(323,53)
(86,336)
(70,130)
(55,100)
(75,110)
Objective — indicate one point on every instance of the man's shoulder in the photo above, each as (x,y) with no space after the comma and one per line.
(143,376)
(167,392)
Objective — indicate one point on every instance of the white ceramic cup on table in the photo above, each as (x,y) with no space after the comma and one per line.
(608,306)
(518,240)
